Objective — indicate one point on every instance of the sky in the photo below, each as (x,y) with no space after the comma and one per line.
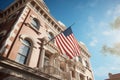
(97,25)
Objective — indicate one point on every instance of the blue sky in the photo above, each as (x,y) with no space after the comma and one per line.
(93,19)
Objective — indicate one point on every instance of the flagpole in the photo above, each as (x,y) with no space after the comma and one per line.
(58,34)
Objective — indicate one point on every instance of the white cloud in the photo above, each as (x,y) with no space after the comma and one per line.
(116,23)
(115,11)
(102,24)
(106,33)
(112,35)
(93,42)
(61,23)
(109,12)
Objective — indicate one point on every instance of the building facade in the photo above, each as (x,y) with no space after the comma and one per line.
(25,28)
(114,76)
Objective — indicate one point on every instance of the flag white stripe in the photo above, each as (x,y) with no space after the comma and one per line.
(64,47)
(67,42)
(59,45)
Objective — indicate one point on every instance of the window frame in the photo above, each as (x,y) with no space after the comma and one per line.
(51,36)
(27,55)
(35,23)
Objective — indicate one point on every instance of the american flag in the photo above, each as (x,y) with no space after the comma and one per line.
(67,43)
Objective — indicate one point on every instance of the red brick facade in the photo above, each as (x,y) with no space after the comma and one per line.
(114,76)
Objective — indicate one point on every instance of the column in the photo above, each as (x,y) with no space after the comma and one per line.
(42,56)
(52,60)
(70,75)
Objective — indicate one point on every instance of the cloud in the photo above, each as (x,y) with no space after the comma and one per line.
(109,12)
(102,24)
(114,49)
(114,15)
(61,23)
(115,11)
(93,42)
(116,23)
(106,33)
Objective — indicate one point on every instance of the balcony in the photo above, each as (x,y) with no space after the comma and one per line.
(80,67)
(55,72)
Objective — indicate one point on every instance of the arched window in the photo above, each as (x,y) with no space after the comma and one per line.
(23,52)
(35,23)
(80,59)
(51,36)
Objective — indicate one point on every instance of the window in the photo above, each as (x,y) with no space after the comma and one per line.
(35,23)
(87,64)
(24,51)
(80,59)
(51,36)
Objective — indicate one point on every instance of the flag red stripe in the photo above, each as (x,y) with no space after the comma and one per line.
(68,43)
(68,51)
(77,47)
(58,44)
(63,47)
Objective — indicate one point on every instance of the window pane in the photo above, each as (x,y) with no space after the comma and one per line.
(20,59)
(50,36)
(35,23)
(80,59)
(24,50)
(27,43)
